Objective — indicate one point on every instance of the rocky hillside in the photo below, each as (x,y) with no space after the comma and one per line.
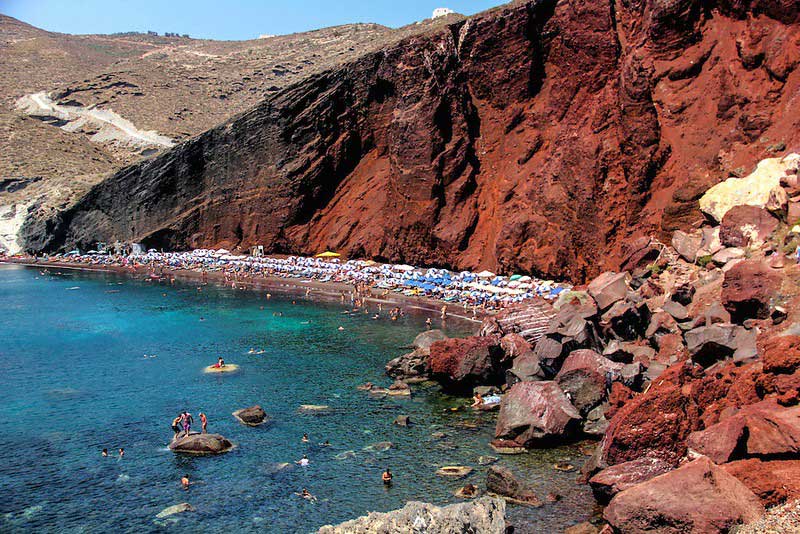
(75,108)
(685,368)
(539,137)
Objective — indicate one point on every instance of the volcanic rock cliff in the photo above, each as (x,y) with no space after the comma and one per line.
(540,137)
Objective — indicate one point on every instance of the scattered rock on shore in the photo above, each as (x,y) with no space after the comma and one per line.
(485,515)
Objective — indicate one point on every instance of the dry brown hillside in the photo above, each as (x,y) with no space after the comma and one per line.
(167,88)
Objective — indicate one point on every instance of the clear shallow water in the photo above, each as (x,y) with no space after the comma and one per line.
(74,379)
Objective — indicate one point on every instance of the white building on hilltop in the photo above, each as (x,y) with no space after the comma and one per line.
(441,12)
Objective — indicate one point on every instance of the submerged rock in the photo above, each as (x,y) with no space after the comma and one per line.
(197,443)
(485,515)
(252,416)
(175,509)
(458,471)
(501,481)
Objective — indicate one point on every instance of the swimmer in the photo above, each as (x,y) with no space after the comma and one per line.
(341,329)
(305,438)
(185,482)
(121,453)
(104,453)
(303,462)
(269,296)
(203,421)
(326,443)
(306,495)
(428,323)
(387,476)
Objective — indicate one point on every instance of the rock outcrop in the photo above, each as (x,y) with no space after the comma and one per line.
(486,515)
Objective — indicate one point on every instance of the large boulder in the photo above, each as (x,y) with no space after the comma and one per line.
(756,189)
(655,423)
(761,430)
(782,354)
(549,353)
(609,288)
(534,412)
(252,416)
(501,481)
(687,245)
(411,367)
(620,477)
(525,369)
(197,443)
(748,289)
(585,377)
(773,481)
(464,363)
(745,226)
(627,320)
(709,344)
(698,497)
(486,514)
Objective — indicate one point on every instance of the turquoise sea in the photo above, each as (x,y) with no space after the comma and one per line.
(91,360)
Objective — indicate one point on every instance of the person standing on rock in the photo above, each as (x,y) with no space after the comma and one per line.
(176,429)
(187,423)
(203,422)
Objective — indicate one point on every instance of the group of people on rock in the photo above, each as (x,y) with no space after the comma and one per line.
(184,420)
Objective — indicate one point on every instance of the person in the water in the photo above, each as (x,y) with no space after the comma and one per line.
(105,453)
(121,453)
(306,495)
(305,438)
(387,477)
(303,462)
(326,443)
(185,482)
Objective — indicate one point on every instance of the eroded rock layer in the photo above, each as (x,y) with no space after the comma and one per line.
(537,137)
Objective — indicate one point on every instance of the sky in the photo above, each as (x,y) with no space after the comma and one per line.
(224,19)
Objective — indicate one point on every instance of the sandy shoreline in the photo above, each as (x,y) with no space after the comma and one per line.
(321,291)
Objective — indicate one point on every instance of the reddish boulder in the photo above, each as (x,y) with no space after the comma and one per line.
(743,226)
(774,482)
(464,363)
(609,288)
(747,290)
(697,497)
(584,377)
(762,429)
(626,319)
(534,412)
(620,477)
(655,423)
(782,354)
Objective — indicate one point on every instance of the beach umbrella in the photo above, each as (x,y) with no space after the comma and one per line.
(404,268)
(328,254)
(515,277)
(486,274)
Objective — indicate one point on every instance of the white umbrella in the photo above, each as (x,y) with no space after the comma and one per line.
(486,274)
(404,267)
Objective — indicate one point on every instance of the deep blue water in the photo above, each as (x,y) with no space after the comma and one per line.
(89,361)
